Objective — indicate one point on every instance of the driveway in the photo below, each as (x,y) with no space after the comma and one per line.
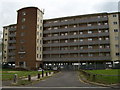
(63,79)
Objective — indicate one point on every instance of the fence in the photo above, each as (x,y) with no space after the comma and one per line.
(101,78)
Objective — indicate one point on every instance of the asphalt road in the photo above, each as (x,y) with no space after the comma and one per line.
(67,80)
(63,79)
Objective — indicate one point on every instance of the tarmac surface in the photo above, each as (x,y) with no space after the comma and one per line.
(65,80)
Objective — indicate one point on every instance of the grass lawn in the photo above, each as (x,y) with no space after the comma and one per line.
(8,74)
(105,77)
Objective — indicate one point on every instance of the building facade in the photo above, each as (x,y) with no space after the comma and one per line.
(85,41)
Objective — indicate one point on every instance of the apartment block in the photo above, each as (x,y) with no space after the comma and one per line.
(88,41)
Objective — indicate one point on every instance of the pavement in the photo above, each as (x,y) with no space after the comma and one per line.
(65,80)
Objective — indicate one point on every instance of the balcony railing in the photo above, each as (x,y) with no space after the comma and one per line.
(11,47)
(77,51)
(77,36)
(12,29)
(78,59)
(76,29)
(12,35)
(11,54)
(12,41)
(77,43)
(11,59)
(77,21)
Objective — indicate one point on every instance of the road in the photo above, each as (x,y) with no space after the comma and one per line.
(63,79)
(67,80)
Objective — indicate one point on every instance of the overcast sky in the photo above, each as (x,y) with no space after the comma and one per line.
(54,8)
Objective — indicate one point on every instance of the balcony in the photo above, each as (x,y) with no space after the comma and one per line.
(77,21)
(11,47)
(11,59)
(76,36)
(78,59)
(21,52)
(12,29)
(76,29)
(77,43)
(12,41)
(12,35)
(76,51)
(11,54)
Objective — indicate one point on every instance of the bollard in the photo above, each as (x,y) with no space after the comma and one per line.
(29,77)
(15,78)
(49,72)
(38,76)
(46,73)
(42,73)
(94,76)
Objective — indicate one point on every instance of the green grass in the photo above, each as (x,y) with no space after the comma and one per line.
(105,79)
(9,74)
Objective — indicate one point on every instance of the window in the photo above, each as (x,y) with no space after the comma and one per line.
(66,41)
(99,23)
(81,47)
(75,40)
(24,13)
(23,19)
(116,30)
(101,46)
(55,27)
(89,32)
(107,46)
(37,48)
(21,48)
(89,39)
(106,30)
(106,23)
(23,27)
(116,38)
(66,33)
(81,40)
(117,46)
(114,15)
(89,24)
(99,31)
(40,27)
(5,33)
(117,54)
(81,32)
(66,26)
(49,28)
(37,55)
(74,26)
(22,34)
(90,47)
(114,22)
(90,55)
(75,33)
(100,38)
(106,38)
(98,16)
(100,54)
(22,41)
(5,39)
(55,21)
(107,54)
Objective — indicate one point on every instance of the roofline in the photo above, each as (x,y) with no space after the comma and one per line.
(82,15)
(31,7)
(10,25)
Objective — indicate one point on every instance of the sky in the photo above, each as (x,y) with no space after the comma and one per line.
(54,8)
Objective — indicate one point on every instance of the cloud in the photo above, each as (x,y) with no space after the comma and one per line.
(106,7)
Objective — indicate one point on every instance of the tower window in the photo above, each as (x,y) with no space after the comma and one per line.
(23,13)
